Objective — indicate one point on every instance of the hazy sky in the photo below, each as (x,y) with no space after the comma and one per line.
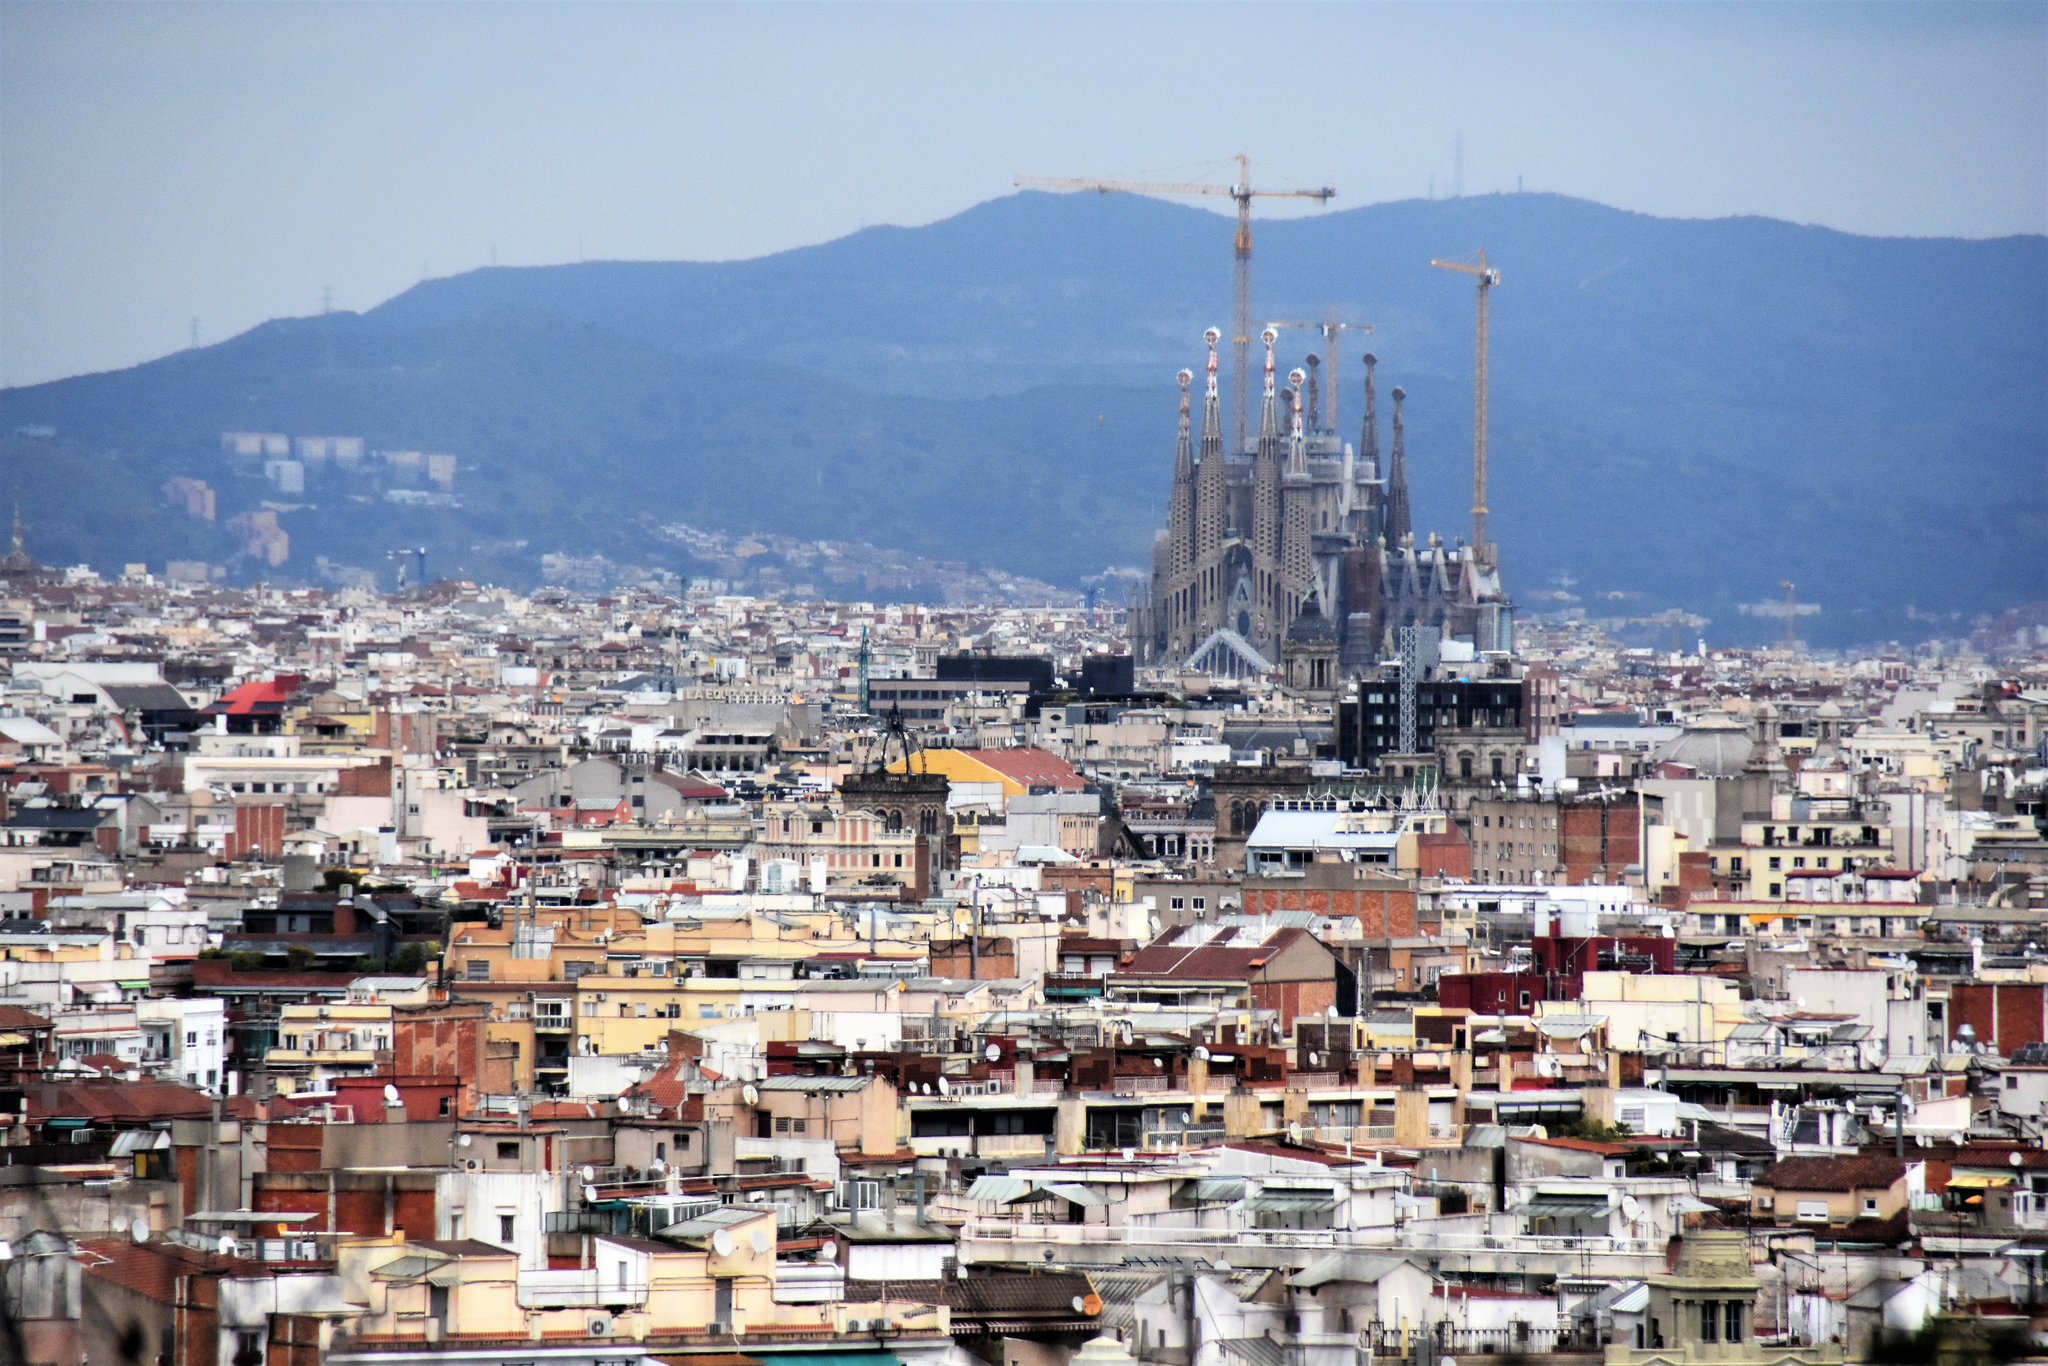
(164,162)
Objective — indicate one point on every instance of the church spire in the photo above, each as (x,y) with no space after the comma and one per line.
(1180,515)
(1369,439)
(1212,407)
(1269,413)
(1315,405)
(1297,440)
(1184,449)
(1212,499)
(1397,481)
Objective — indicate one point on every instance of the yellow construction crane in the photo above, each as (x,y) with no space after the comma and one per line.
(1482,549)
(1330,330)
(1241,313)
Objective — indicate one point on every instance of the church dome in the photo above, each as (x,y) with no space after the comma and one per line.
(1312,627)
(1717,745)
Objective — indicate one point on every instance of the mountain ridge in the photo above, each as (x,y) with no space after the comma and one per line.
(1688,410)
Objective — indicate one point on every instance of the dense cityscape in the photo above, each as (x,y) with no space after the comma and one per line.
(610,975)
(706,684)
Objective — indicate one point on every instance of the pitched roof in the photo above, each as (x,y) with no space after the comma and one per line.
(153,1270)
(1218,959)
(137,1102)
(1864,1171)
(1032,767)
(146,697)
(999,1292)
(265,697)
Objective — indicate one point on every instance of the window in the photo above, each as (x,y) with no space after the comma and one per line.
(508,1227)
(1870,1204)
(1710,1320)
(509,1151)
(477,969)
(1732,1320)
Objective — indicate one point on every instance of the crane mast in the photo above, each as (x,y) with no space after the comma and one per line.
(1241,300)
(1482,549)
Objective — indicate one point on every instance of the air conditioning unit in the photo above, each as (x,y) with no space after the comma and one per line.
(879,1325)
(719,1328)
(474,1164)
(599,1326)
(856,1326)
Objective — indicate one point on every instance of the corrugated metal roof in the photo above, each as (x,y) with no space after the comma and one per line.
(1212,1189)
(1561,1206)
(812,1083)
(1291,1202)
(1000,1190)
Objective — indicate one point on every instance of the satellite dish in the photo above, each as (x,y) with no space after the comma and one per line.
(1079,1304)
(721,1243)
(829,1253)
(1330,1011)
(1159,1062)
(1315,1059)
(1631,1208)
(466,1140)
(226,1246)
(761,1242)
(589,1174)
(589,1193)
(2013,1158)
(139,1229)
(1201,1053)
(1294,1133)
(391,1096)
(751,1094)
(992,1053)
(945,1087)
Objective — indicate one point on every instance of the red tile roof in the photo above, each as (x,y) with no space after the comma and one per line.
(1865,1171)
(1032,767)
(136,1102)
(152,1270)
(1216,960)
(267,695)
